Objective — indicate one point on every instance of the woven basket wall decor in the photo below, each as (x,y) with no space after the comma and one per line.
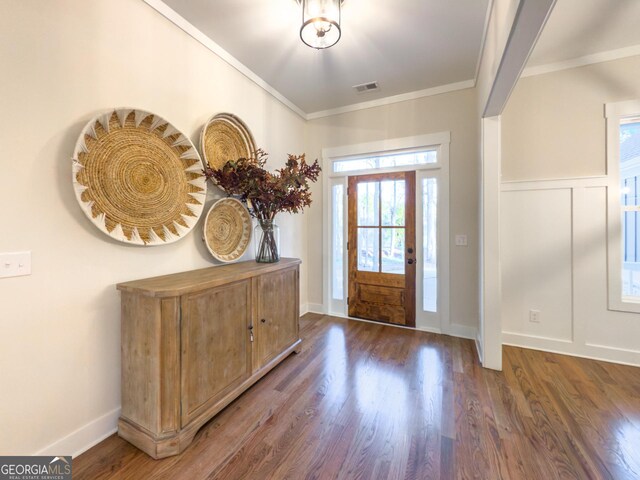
(227,230)
(137,178)
(225,137)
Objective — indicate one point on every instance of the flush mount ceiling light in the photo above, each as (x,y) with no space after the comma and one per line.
(320,22)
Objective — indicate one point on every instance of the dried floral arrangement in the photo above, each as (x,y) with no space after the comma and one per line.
(267,193)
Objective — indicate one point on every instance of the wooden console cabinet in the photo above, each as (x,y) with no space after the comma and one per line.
(192,342)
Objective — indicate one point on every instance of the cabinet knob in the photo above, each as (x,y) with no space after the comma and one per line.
(263,320)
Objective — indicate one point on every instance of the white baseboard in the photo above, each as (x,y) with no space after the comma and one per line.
(462,331)
(590,351)
(315,308)
(479,347)
(455,330)
(85,437)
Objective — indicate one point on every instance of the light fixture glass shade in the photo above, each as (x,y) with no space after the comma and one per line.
(320,23)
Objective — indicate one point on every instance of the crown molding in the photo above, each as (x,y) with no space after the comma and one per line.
(187,27)
(403,97)
(599,57)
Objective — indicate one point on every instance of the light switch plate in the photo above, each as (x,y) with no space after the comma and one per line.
(461,240)
(15,264)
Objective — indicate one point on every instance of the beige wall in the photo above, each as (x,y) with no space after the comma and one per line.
(454,112)
(554,126)
(62,63)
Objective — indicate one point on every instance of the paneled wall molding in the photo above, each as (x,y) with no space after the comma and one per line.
(550,184)
(554,261)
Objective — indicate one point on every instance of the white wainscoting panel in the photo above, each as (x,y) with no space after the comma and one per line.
(604,328)
(554,259)
(535,251)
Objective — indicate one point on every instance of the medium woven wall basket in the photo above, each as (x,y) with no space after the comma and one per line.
(137,178)
(227,230)
(225,137)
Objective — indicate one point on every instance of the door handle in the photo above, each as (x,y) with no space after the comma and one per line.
(410,261)
(251,332)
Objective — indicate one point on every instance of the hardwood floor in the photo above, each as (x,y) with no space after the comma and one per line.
(368,401)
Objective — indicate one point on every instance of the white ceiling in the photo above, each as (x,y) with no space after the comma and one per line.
(577,28)
(405,45)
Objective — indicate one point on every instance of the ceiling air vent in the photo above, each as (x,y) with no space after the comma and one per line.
(366,87)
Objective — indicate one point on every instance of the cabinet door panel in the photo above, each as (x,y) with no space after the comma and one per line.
(276,326)
(216,356)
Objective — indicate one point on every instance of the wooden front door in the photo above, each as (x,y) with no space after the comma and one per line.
(381,246)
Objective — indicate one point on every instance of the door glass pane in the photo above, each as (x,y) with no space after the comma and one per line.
(430,244)
(338,240)
(368,203)
(392,198)
(368,249)
(393,250)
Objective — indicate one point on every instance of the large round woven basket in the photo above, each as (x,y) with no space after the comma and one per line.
(137,178)
(227,230)
(225,137)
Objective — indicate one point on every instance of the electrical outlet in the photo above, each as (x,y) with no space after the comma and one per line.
(461,240)
(15,264)
(534,316)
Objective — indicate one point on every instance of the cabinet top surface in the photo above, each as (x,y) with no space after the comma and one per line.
(185,282)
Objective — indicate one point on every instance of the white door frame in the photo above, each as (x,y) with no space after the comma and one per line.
(489,340)
(439,323)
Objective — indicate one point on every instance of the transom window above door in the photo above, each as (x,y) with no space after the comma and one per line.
(395,160)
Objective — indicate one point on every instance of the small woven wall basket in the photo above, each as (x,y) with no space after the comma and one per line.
(137,178)
(225,137)
(227,230)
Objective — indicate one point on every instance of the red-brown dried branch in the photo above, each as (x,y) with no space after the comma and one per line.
(267,193)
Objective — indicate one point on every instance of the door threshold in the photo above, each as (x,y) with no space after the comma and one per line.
(416,328)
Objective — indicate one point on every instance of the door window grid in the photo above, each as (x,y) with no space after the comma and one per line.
(381,226)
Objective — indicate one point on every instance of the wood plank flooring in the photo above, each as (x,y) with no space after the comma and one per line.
(368,401)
